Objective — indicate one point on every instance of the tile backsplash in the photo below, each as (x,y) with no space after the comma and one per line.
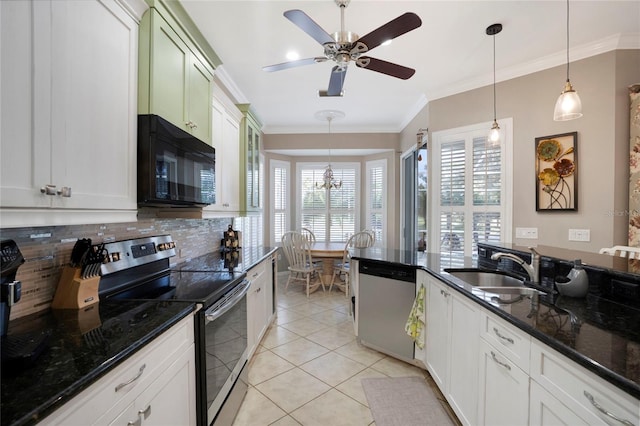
(47,249)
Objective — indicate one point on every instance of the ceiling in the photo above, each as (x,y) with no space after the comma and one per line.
(450,52)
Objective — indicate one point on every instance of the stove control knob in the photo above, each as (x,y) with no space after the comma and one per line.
(115,256)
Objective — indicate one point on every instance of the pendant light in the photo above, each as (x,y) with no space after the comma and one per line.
(328,181)
(493,139)
(568,105)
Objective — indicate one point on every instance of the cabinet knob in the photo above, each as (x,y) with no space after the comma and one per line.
(64,192)
(48,190)
(194,125)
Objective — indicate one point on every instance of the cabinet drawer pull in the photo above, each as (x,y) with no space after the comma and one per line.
(495,358)
(605,412)
(121,385)
(146,412)
(136,423)
(508,339)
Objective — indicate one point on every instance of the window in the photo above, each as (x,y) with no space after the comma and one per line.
(331,214)
(376,196)
(280,178)
(472,191)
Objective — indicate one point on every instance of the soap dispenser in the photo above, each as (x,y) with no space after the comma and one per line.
(578,282)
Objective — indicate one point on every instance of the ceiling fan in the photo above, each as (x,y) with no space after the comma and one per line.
(344,46)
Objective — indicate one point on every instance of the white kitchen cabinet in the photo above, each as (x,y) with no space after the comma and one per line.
(452,348)
(503,389)
(154,386)
(259,303)
(167,401)
(584,394)
(226,141)
(546,409)
(69,91)
(438,331)
(463,354)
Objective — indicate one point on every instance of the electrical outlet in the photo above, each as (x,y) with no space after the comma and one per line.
(529,233)
(583,235)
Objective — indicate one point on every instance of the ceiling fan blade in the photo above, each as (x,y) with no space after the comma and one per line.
(308,25)
(336,82)
(392,29)
(384,67)
(293,64)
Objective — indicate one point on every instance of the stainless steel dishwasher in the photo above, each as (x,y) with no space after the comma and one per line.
(385,296)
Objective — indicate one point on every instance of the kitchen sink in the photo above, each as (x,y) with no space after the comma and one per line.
(483,278)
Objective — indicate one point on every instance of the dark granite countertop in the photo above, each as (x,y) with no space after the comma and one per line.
(241,260)
(82,346)
(600,334)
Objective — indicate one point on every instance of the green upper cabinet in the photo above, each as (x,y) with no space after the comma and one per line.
(175,80)
(250,162)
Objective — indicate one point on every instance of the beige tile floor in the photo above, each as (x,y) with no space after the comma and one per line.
(308,366)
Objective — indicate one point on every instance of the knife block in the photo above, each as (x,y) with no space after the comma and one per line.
(74,292)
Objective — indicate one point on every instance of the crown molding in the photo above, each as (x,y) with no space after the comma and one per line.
(607,44)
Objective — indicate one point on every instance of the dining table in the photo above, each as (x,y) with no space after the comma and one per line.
(327,252)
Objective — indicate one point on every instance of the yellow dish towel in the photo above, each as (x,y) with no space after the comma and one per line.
(415,323)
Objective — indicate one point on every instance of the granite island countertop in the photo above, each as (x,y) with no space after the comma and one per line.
(599,334)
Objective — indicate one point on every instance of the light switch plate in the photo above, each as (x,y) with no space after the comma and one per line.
(583,235)
(529,233)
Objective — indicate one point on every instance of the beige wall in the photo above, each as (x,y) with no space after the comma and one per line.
(603,145)
(603,134)
(385,141)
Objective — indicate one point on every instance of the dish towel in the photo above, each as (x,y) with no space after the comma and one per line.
(415,323)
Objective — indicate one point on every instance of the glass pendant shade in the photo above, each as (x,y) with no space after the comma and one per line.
(493,139)
(568,105)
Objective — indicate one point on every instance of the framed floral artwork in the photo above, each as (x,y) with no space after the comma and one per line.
(556,172)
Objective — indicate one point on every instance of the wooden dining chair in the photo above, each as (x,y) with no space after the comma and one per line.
(297,251)
(361,239)
(622,251)
(308,233)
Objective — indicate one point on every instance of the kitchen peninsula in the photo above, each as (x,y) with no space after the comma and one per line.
(575,354)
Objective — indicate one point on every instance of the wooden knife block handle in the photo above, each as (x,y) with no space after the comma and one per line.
(74,292)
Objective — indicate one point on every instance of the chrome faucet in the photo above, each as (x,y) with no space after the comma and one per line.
(532,269)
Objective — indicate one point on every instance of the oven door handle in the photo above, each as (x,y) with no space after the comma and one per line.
(229,302)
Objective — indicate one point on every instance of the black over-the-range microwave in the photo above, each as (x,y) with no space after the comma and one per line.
(174,167)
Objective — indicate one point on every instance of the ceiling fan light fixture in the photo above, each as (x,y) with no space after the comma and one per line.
(493,138)
(568,106)
(292,55)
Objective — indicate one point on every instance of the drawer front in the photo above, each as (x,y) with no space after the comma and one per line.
(257,272)
(590,397)
(514,343)
(122,385)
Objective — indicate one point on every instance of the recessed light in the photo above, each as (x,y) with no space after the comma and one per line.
(292,56)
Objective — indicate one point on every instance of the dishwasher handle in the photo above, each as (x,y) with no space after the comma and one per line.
(388,270)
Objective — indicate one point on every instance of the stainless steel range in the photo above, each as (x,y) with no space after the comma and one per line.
(140,269)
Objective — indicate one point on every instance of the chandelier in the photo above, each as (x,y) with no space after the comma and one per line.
(328,181)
